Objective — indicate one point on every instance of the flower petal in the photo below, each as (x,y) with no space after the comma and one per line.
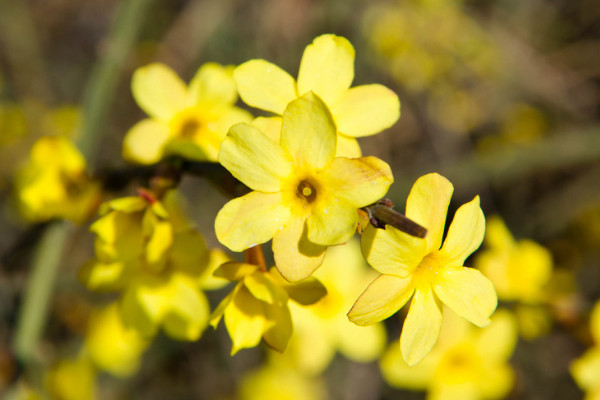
(250,220)
(347,147)
(264,85)
(295,256)
(188,311)
(359,181)
(235,271)
(382,298)
(391,251)
(158,91)
(332,222)
(327,67)
(361,343)
(245,320)
(270,126)
(308,133)
(253,158)
(265,289)
(427,205)
(213,82)
(145,141)
(306,292)
(421,327)
(366,110)
(465,233)
(468,293)
(280,330)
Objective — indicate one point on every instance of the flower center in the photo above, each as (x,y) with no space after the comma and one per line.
(189,128)
(306,191)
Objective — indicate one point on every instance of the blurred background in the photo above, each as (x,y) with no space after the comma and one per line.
(501,97)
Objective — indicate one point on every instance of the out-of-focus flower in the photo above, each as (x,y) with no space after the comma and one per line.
(272,382)
(521,271)
(72,379)
(158,265)
(322,329)
(54,183)
(586,369)
(433,273)
(467,363)
(258,305)
(327,69)
(188,121)
(304,197)
(112,346)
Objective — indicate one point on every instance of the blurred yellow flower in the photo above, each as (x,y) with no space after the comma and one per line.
(304,198)
(467,363)
(188,121)
(258,305)
(54,184)
(521,271)
(327,69)
(72,379)
(112,346)
(322,329)
(586,369)
(272,382)
(434,275)
(157,264)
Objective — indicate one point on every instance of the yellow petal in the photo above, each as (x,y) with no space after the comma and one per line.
(421,327)
(279,332)
(307,292)
(347,147)
(366,110)
(465,233)
(187,314)
(327,68)
(264,85)
(360,181)
(254,159)
(586,369)
(143,305)
(391,251)
(104,276)
(265,289)
(497,235)
(397,374)
(308,134)
(215,316)
(361,343)
(250,220)
(295,257)
(145,141)
(332,222)
(382,298)
(595,322)
(213,82)
(270,126)
(235,271)
(158,91)
(468,293)
(159,243)
(427,205)
(497,341)
(245,320)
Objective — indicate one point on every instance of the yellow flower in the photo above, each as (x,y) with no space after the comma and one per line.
(157,265)
(467,363)
(327,69)
(586,369)
(112,346)
(322,329)
(421,267)
(272,382)
(72,379)
(54,183)
(188,121)
(520,270)
(304,198)
(258,305)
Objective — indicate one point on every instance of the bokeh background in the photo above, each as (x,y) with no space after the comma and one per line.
(501,97)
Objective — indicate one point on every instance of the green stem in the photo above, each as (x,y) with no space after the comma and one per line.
(40,284)
(104,79)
